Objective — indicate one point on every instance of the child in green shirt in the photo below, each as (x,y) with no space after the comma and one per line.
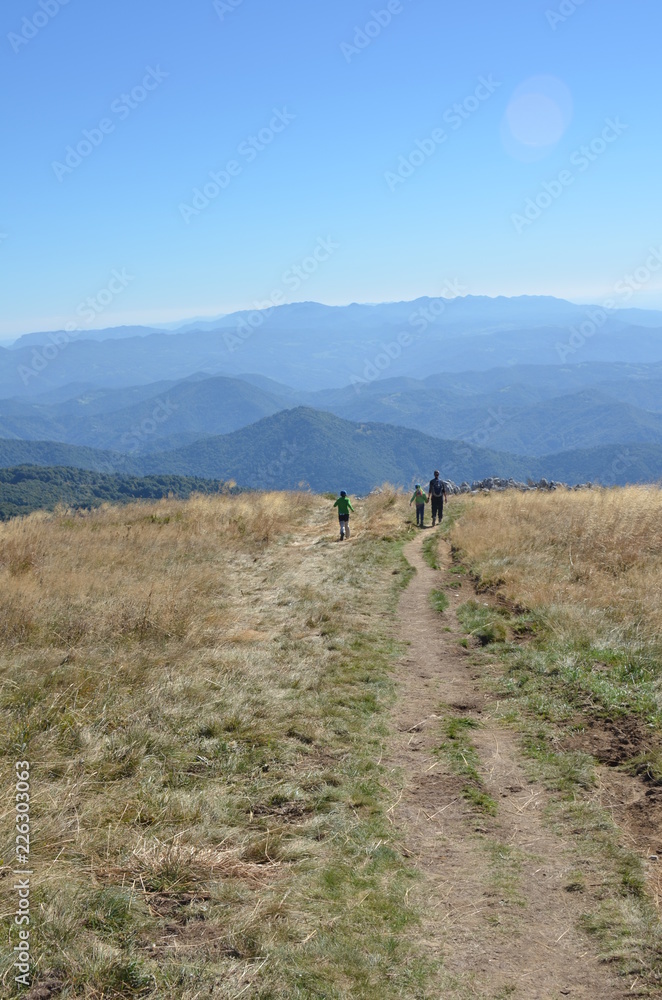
(344,505)
(421,498)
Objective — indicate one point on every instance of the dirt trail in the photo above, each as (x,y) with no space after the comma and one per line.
(494,891)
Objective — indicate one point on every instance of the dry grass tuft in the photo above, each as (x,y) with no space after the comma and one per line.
(177,867)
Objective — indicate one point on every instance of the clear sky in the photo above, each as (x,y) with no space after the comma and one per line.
(391,145)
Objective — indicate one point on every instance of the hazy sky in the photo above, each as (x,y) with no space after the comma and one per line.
(362,152)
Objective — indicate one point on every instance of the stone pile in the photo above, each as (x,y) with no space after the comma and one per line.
(495,485)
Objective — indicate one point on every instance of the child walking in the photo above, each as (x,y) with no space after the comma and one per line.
(420,497)
(344,505)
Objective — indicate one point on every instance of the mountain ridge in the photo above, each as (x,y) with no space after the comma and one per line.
(312,347)
(528,410)
(295,310)
(300,448)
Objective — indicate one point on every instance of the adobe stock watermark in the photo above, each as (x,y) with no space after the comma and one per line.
(120,108)
(22,867)
(565,10)
(454,116)
(279,466)
(365,35)
(292,279)
(248,150)
(225,7)
(31,26)
(133,440)
(481,435)
(376,367)
(617,470)
(581,159)
(596,317)
(621,464)
(88,310)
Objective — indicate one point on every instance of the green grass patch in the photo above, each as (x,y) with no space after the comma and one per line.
(431,551)
(459,752)
(438,600)
(559,676)
(483,623)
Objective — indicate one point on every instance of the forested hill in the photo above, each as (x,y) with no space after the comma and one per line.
(27,488)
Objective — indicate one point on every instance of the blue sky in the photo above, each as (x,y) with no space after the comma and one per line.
(356,148)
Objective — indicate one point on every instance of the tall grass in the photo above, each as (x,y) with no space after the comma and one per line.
(589,564)
(590,556)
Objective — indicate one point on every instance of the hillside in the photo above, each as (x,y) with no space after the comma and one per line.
(304,447)
(609,465)
(586,419)
(27,488)
(53,453)
(528,410)
(117,420)
(531,409)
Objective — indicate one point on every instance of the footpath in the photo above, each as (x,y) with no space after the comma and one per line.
(496,881)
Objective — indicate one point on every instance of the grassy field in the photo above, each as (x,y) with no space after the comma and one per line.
(588,569)
(569,610)
(200,690)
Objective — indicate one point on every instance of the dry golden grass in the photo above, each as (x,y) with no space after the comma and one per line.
(198,688)
(152,862)
(131,572)
(593,557)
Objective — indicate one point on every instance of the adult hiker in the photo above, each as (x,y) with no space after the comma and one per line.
(437,491)
(420,498)
(344,505)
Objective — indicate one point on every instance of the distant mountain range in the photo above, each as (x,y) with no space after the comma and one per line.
(109,333)
(317,394)
(485,312)
(142,418)
(312,346)
(301,448)
(528,410)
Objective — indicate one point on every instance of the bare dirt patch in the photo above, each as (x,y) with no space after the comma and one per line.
(194,935)
(49,986)
(633,800)
(612,742)
(494,887)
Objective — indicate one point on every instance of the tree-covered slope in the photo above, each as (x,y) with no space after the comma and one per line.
(26,488)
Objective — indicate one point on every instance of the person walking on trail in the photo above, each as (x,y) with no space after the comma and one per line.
(344,505)
(437,491)
(420,497)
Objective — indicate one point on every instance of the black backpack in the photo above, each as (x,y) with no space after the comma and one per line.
(437,487)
